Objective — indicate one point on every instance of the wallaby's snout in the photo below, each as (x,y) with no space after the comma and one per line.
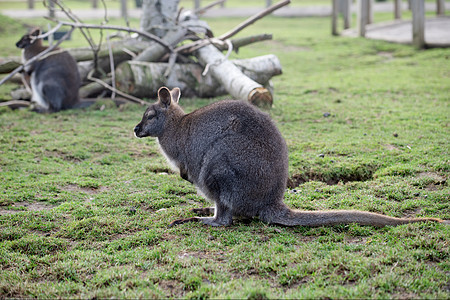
(23,42)
(137,131)
(137,128)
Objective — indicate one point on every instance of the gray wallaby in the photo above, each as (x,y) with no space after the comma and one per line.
(54,79)
(235,156)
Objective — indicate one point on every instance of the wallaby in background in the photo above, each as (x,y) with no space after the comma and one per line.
(54,79)
(235,155)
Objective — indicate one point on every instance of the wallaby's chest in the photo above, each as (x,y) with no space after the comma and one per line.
(37,89)
(172,162)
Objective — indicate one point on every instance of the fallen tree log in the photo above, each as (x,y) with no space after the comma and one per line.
(8,64)
(92,89)
(142,79)
(85,67)
(121,51)
(232,79)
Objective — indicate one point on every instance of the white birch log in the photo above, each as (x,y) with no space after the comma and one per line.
(143,79)
(232,79)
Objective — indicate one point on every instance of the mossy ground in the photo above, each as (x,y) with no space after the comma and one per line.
(85,205)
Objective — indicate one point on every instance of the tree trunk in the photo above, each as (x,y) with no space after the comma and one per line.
(158,16)
(142,79)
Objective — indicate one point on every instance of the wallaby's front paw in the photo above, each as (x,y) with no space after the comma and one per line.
(182,221)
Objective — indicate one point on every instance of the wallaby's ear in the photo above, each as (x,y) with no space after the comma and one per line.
(35,32)
(164,96)
(176,93)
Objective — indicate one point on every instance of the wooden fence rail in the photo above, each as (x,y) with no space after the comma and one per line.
(364,16)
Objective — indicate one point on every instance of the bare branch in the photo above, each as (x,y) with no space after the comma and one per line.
(120,28)
(172,60)
(240,42)
(237,43)
(51,31)
(126,96)
(253,19)
(201,43)
(202,10)
(111,63)
(218,62)
(87,35)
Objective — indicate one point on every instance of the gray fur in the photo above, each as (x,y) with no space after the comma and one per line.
(237,158)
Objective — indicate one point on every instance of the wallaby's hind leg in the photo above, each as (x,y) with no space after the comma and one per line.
(223,217)
(54,96)
(204,211)
(207,211)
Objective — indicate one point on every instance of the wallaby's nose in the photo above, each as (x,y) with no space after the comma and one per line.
(137,128)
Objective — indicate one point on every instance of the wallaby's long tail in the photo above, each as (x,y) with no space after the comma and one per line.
(288,217)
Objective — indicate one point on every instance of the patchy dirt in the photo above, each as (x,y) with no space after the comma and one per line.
(412,213)
(388,56)
(390,147)
(435,176)
(25,206)
(298,179)
(217,255)
(357,240)
(88,190)
(173,288)
(63,155)
(438,180)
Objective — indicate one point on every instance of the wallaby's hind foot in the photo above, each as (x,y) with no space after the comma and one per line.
(182,221)
(216,222)
(211,221)
(203,211)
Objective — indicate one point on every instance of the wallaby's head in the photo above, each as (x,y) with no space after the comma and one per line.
(29,39)
(159,115)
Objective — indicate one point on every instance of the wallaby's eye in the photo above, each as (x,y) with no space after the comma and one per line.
(151,114)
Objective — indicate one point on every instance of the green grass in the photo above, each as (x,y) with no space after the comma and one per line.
(85,205)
